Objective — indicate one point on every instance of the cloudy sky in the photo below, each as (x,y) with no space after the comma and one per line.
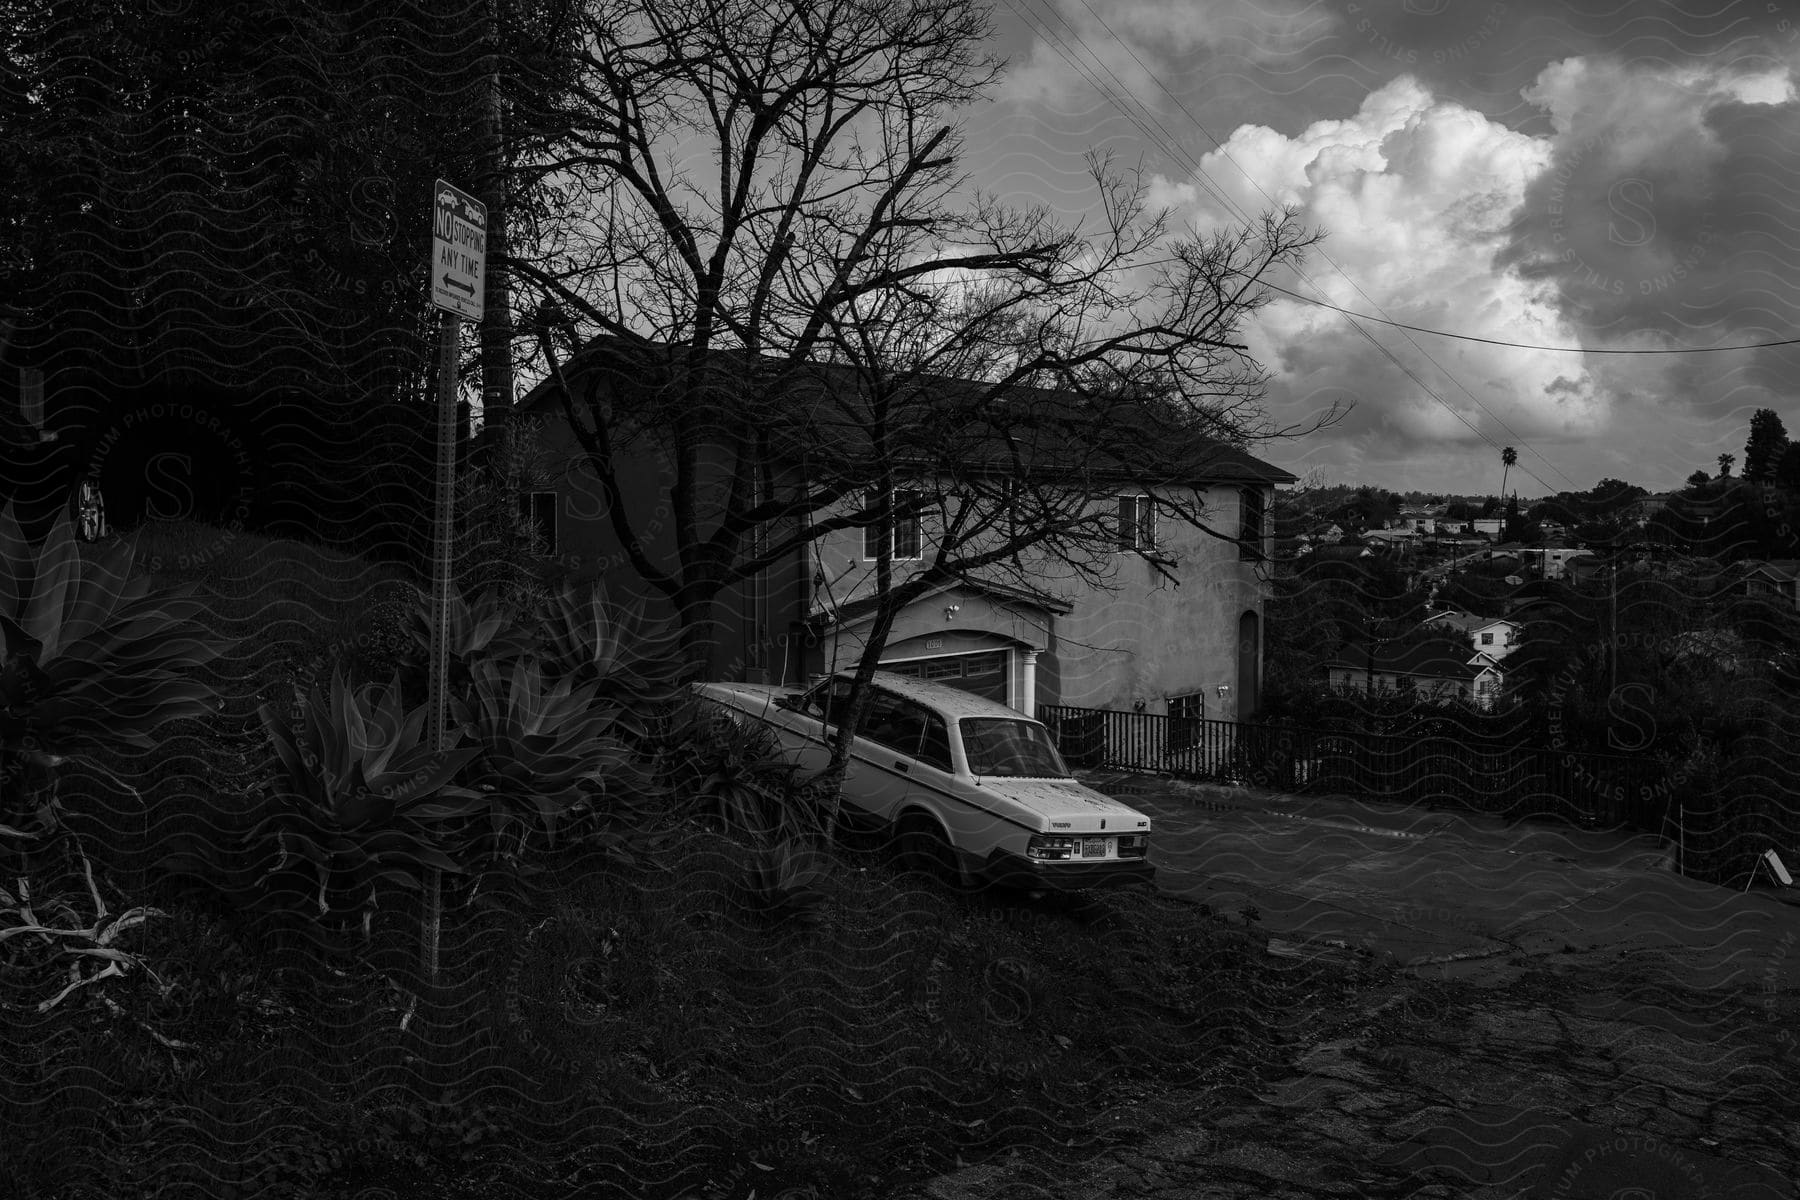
(1596,175)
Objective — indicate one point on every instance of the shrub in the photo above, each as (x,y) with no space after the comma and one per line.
(359,798)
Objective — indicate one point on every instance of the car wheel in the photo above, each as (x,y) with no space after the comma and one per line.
(921,849)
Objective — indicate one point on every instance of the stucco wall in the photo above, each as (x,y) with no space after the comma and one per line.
(1139,637)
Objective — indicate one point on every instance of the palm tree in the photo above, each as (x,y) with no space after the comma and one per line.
(1508,457)
(1725,461)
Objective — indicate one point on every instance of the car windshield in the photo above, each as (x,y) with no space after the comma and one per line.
(1010,746)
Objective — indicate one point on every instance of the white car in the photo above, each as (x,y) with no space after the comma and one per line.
(968,788)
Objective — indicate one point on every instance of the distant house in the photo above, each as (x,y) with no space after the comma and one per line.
(1488,526)
(1646,507)
(1494,636)
(1393,538)
(1551,561)
(1419,519)
(1310,541)
(1778,579)
(1440,670)
(1583,568)
(1460,542)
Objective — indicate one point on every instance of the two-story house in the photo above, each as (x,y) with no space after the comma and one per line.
(1494,636)
(1170,618)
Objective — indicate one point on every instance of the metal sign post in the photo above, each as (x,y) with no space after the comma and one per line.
(458,262)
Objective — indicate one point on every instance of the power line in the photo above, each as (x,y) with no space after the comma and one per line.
(1469,337)
(1463,337)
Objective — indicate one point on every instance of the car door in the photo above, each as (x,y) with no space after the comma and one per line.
(935,784)
(889,750)
(808,726)
(869,785)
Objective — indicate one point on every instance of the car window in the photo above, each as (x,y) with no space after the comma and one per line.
(828,698)
(1010,746)
(894,723)
(934,748)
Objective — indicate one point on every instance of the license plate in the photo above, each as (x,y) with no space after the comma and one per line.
(1093,847)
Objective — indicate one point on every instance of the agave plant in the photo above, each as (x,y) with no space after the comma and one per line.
(736,774)
(730,771)
(490,627)
(783,881)
(360,797)
(545,751)
(628,655)
(58,941)
(88,657)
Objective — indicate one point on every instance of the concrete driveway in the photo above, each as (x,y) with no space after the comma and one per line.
(1456,894)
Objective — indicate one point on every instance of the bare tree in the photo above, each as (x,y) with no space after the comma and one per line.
(786,260)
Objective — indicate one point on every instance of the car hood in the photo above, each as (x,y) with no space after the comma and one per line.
(1064,804)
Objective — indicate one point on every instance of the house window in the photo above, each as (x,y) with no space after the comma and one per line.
(1250,523)
(907,540)
(1137,523)
(1487,639)
(539,508)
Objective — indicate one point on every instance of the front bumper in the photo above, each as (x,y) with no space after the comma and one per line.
(1007,869)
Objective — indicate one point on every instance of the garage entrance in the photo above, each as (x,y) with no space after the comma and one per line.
(982,674)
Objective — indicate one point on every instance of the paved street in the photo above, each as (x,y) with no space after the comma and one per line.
(1525,1012)
(1468,895)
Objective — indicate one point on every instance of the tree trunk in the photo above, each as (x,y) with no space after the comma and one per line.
(496,324)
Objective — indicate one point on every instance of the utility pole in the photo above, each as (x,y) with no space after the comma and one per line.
(1613,640)
(457,265)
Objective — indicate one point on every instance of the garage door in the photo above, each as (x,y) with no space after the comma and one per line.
(982,674)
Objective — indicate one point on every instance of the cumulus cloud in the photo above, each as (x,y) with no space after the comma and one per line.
(1416,195)
(1631,220)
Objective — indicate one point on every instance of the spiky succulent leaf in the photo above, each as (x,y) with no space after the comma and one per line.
(107,662)
(620,646)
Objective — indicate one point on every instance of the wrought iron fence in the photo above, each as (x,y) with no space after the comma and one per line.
(1509,780)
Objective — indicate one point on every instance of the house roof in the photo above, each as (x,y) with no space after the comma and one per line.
(1786,569)
(1467,622)
(1434,660)
(962,420)
(851,611)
